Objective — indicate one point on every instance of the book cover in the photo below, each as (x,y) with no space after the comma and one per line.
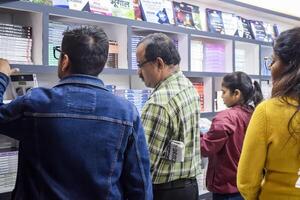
(167,7)
(247,33)
(258,30)
(60,3)
(196,15)
(269,32)
(214,21)
(154,11)
(230,23)
(183,15)
(122,8)
(137,10)
(81,5)
(240,29)
(102,7)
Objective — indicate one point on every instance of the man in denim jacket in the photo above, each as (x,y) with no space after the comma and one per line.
(77,140)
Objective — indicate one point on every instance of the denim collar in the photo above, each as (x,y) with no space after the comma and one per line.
(82,79)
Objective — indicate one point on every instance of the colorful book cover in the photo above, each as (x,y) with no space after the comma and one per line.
(102,7)
(137,10)
(214,21)
(122,8)
(153,11)
(81,5)
(196,16)
(183,15)
(230,23)
(167,8)
(258,30)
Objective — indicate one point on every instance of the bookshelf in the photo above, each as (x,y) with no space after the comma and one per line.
(236,53)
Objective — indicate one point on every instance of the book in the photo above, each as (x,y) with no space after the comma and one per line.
(247,33)
(137,10)
(229,22)
(214,21)
(122,8)
(102,7)
(81,5)
(157,11)
(60,3)
(258,30)
(183,15)
(196,15)
(269,32)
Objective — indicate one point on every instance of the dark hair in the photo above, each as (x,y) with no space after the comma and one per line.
(287,49)
(241,81)
(160,45)
(87,48)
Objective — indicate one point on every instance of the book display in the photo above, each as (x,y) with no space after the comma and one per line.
(214,37)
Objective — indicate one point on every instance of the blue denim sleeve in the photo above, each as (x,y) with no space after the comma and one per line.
(10,114)
(136,172)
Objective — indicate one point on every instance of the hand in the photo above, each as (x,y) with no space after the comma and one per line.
(5,67)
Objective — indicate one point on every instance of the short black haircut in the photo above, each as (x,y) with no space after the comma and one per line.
(160,45)
(87,48)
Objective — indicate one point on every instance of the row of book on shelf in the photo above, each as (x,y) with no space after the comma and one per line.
(175,13)
(16,46)
(139,97)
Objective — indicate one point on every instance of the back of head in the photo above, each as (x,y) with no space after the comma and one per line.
(242,82)
(87,48)
(160,45)
(287,49)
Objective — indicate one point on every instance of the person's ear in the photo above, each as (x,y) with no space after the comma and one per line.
(65,63)
(237,93)
(160,63)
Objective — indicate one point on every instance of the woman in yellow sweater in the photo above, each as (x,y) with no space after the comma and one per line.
(269,166)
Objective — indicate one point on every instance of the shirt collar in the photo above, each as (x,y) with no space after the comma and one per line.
(168,80)
(82,79)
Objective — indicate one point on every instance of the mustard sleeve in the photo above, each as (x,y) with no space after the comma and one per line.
(253,156)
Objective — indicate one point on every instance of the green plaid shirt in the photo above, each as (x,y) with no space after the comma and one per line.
(172,113)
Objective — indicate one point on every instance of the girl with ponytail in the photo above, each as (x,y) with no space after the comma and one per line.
(222,144)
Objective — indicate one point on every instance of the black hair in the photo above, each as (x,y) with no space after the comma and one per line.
(287,49)
(160,45)
(87,48)
(241,81)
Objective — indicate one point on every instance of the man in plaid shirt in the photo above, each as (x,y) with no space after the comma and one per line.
(170,116)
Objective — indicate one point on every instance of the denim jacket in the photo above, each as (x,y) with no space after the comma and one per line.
(77,141)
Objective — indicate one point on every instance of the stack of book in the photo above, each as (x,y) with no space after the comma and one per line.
(55,37)
(219,103)
(112,60)
(8,170)
(16,43)
(199,86)
(214,57)
(240,60)
(266,88)
(196,56)
(137,97)
(134,41)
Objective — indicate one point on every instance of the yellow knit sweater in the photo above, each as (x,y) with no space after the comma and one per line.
(270,159)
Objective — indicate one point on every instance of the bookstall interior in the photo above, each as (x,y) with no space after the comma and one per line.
(214,37)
